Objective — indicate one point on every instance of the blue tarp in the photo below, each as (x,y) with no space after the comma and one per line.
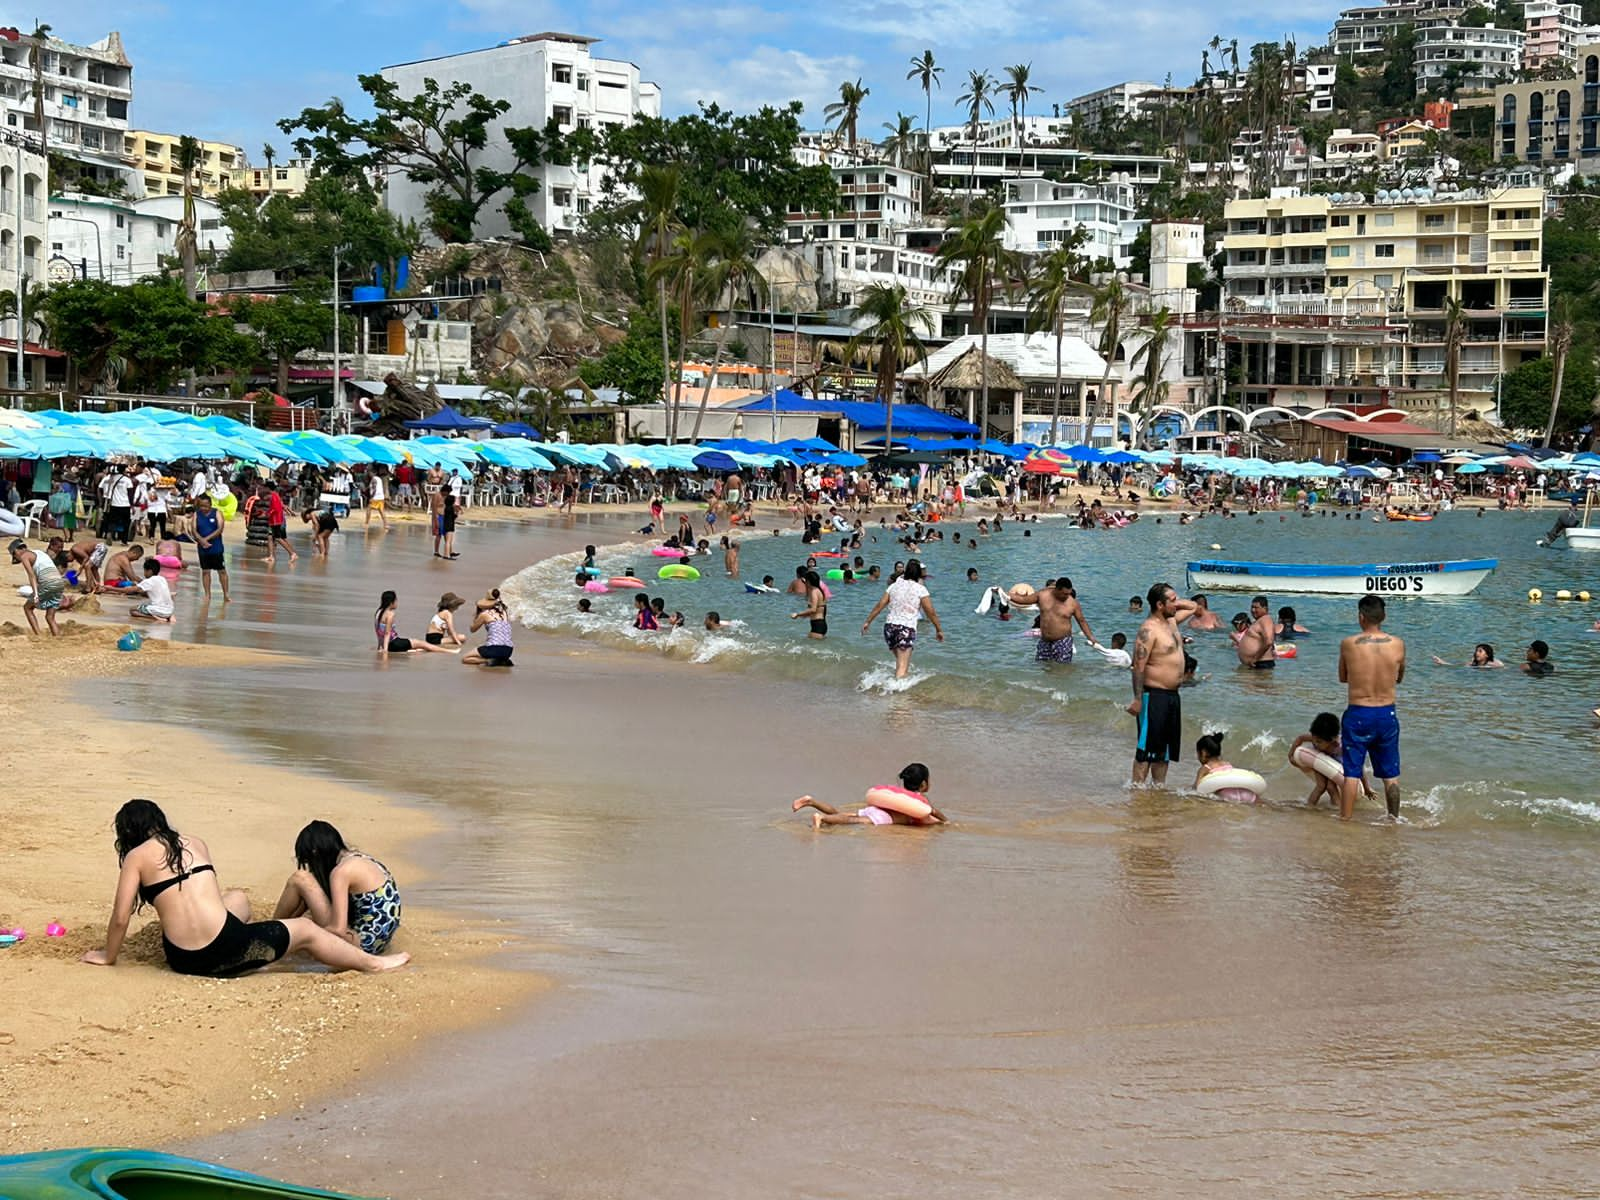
(908,418)
(518,429)
(448,418)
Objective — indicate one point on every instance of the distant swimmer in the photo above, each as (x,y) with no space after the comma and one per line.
(1482,659)
(1204,619)
(1157,674)
(904,805)
(1116,654)
(1372,664)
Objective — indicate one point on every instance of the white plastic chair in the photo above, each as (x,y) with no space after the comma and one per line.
(31,514)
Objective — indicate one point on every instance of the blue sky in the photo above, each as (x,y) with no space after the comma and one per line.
(228,70)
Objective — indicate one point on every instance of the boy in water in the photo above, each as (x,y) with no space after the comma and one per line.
(1116,654)
(1539,664)
(713,622)
(1323,737)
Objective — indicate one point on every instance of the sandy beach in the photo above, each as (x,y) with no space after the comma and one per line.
(135,1054)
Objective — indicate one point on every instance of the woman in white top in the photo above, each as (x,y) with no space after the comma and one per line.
(907,600)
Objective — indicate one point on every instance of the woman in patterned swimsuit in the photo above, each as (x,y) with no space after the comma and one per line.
(345,891)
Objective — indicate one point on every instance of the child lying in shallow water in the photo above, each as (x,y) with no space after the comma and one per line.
(913,779)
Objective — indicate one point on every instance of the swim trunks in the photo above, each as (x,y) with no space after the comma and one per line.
(237,948)
(1265,664)
(899,637)
(1160,726)
(213,560)
(820,628)
(1058,651)
(876,815)
(97,556)
(1371,730)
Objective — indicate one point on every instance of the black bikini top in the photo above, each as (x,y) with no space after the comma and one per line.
(149,891)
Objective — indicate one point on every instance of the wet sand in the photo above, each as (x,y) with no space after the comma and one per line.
(1137,993)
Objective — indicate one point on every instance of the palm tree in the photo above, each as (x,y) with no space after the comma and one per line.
(732,269)
(902,139)
(1455,328)
(891,335)
(1016,90)
(656,213)
(846,110)
(39,40)
(1052,281)
(1109,306)
(978,99)
(1150,360)
(271,155)
(1560,347)
(688,269)
(976,245)
(188,159)
(926,73)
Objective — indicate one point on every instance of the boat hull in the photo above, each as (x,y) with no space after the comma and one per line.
(1579,538)
(122,1174)
(1457,578)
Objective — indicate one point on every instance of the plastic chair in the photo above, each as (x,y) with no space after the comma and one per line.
(31,513)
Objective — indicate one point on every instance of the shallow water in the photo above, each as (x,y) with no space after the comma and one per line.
(1482,745)
(1137,993)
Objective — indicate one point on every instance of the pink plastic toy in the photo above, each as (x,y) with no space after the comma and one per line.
(19,933)
(55,929)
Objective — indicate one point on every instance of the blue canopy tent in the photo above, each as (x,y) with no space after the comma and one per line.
(715,460)
(448,419)
(863,414)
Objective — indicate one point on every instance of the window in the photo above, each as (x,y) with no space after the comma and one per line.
(122,251)
(583,205)
(121,221)
(1383,220)
(56,247)
(561,197)
(1338,251)
(1338,281)
(560,72)
(282,174)
(1563,105)
(1383,282)
(583,122)
(1433,221)
(211,224)
(562,114)
(1339,221)
(1521,245)
(1383,250)
(583,83)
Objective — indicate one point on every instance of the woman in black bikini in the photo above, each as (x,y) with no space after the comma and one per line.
(204,930)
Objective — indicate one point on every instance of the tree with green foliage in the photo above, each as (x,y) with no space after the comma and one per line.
(187,160)
(1055,277)
(634,366)
(901,143)
(892,327)
(732,168)
(927,73)
(1108,309)
(435,137)
(287,324)
(1150,389)
(296,235)
(845,112)
(731,270)
(151,327)
(978,100)
(1525,393)
(978,250)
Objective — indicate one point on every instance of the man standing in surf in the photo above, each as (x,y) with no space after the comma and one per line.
(1157,672)
(1371,664)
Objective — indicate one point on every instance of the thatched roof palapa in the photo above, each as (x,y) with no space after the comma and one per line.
(967,374)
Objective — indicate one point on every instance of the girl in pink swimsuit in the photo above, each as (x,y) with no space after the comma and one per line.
(1209,751)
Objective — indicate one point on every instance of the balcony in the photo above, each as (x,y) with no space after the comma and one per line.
(1507,224)
(32,210)
(1505,258)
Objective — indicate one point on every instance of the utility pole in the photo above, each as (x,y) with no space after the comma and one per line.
(22,281)
(338,416)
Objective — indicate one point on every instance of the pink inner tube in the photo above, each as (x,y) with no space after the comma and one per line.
(624,581)
(169,560)
(595,586)
(667,552)
(898,799)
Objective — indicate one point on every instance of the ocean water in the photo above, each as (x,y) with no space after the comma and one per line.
(1477,744)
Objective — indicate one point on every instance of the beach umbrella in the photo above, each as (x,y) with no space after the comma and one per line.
(517,429)
(715,460)
(447,419)
(1121,457)
(1471,469)
(1085,454)
(1041,466)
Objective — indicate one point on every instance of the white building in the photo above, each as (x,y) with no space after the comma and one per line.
(1477,57)
(122,241)
(1364,31)
(1040,215)
(87,90)
(1120,101)
(545,77)
(1348,150)
(23,226)
(1554,30)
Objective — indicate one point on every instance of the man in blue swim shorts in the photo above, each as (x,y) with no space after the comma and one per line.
(1371,663)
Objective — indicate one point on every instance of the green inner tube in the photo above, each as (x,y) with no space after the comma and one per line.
(678,571)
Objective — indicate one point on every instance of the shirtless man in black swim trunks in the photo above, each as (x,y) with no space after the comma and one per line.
(1157,672)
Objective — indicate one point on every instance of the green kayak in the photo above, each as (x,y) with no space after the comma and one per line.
(136,1175)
